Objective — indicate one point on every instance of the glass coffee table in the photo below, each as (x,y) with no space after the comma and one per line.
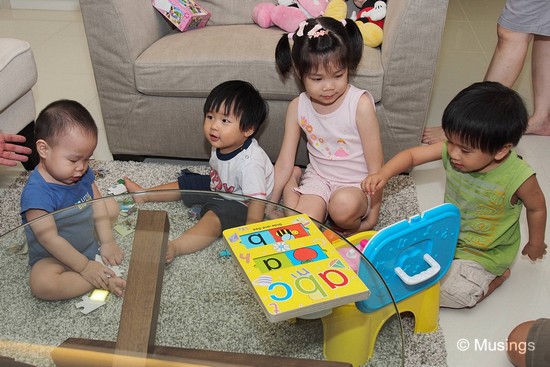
(200,309)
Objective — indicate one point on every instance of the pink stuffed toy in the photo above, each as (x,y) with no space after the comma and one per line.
(288,14)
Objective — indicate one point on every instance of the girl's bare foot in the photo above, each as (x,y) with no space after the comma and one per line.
(364,226)
(117,286)
(433,135)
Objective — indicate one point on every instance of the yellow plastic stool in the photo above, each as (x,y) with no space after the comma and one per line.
(409,257)
(350,335)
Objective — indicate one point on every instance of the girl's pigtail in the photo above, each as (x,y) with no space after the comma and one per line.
(356,43)
(283,57)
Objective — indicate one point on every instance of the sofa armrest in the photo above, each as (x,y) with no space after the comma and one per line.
(118,31)
(412,38)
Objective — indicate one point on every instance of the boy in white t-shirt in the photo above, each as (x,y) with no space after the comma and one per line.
(233,112)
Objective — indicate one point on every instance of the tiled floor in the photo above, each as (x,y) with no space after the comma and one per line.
(64,71)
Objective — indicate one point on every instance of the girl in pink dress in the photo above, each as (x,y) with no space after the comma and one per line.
(339,121)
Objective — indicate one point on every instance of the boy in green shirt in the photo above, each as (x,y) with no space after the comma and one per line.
(488,182)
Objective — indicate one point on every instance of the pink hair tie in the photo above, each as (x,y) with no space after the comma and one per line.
(317,31)
(290,36)
(344,22)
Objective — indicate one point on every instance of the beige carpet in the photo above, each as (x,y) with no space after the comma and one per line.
(189,285)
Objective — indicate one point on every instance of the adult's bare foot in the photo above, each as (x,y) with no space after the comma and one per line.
(538,129)
(433,135)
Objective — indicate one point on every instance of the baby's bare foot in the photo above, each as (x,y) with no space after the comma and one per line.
(433,135)
(117,286)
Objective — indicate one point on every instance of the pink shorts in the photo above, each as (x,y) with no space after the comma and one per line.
(313,184)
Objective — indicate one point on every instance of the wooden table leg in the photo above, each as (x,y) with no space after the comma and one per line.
(140,308)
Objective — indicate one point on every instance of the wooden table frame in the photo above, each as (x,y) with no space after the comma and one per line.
(135,345)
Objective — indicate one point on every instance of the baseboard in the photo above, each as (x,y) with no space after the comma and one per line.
(71,5)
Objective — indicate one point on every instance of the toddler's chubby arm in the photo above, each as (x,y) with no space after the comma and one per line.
(45,231)
(401,162)
(532,197)
(109,250)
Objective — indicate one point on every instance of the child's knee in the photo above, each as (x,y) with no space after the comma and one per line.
(43,287)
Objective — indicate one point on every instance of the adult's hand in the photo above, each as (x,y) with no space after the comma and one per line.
(10,153)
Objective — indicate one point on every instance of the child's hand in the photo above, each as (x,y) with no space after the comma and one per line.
(373,183)
(111,254)
(534,251)
(97,274)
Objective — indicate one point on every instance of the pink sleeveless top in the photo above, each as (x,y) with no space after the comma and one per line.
(333,142)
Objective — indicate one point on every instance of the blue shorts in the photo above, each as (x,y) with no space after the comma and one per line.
(231,213)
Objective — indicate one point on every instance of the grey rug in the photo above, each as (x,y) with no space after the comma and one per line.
(32,328)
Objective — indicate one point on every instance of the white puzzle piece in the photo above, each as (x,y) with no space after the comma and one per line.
(87,305)
(117,189)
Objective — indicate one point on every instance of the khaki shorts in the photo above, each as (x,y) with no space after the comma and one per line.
(464,284)
(538,344)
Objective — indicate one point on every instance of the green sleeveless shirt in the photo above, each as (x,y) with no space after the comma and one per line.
(489,223)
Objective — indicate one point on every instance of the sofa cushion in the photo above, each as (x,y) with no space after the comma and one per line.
(182,64)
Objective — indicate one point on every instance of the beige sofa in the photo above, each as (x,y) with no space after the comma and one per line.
(18,75)
(152,80)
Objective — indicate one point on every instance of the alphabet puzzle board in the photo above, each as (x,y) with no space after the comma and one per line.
(293,268)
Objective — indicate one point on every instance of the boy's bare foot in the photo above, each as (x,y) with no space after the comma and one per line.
(497,282)
(433,135)
(172,251)
(131,186)
(117,286)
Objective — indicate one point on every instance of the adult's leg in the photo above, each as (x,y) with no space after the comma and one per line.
(539,122)
(505,67)
(509,56)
